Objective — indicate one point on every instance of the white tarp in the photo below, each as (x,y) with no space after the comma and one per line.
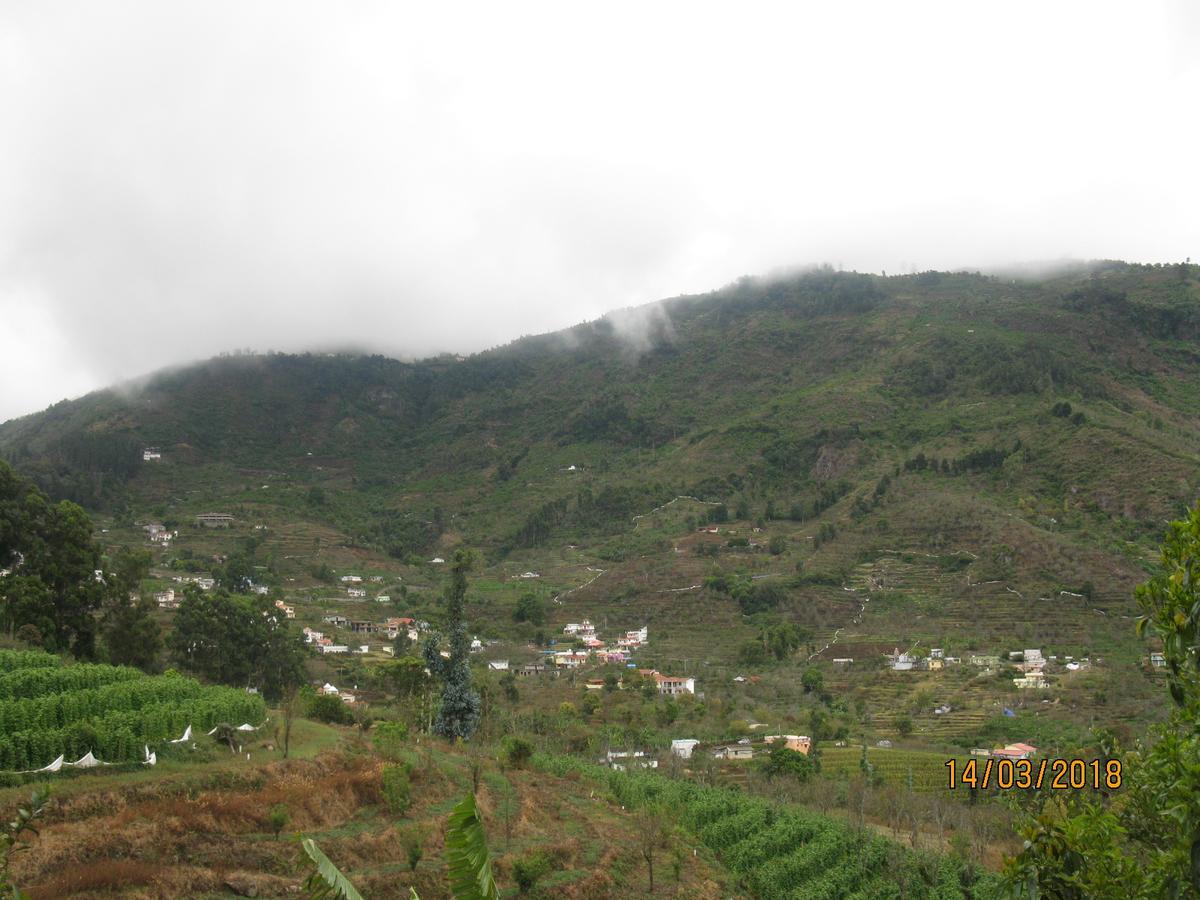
(246,726)
(152,759)
(87,761)
(54,766)
(187,736)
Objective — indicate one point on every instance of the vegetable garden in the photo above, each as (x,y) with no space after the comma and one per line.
(48,709)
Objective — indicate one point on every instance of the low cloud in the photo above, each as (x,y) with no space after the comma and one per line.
(178,182)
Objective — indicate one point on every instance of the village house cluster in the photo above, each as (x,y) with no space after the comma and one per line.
(355,592)
(159,534)
(391,628)
(585,632)
(686,748)
(1030,663)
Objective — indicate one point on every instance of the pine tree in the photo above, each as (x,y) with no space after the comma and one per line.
(458,716)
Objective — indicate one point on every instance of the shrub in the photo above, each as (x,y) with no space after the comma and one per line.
(277,818)
(390,738)
(528,869)
(413,840)
(396,788)
(515,752)
(328,708)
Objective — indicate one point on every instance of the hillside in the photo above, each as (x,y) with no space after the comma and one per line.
(990,461)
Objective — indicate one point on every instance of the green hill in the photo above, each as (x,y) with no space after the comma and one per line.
(991,460)
(763,390)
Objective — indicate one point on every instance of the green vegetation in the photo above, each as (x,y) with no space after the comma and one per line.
(794,479)
(110,711)
(786,852)
(467,860)
(1146,842)
(458,714)
(237,641)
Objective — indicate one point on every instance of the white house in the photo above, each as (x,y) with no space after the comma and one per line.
(335,648)
(151,453)
(166,599)
(437,560)
(624,759)
(383,598)
(584,629)
(571,659)
(670,685)
(683,747)
(352,579)
(1034,679)
(356,592)
(500,665)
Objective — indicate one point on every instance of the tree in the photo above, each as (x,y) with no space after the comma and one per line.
(406,676)
(784,762)
(239,641)
(652,825)
(458,716)
(400,643)
(783,639)
(812,680)
(508,684)
(289,702)
(52,559)
(530,609)
(130,633)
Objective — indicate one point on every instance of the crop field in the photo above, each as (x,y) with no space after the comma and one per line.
(49,710)
(785,852)
(896,766)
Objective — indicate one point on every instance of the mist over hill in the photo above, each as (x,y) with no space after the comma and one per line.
(1078,391)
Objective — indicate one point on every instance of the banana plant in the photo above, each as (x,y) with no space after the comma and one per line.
(470,867)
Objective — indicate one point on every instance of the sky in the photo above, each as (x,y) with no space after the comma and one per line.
(183,179)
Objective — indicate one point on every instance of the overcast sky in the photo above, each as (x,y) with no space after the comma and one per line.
(180,179)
